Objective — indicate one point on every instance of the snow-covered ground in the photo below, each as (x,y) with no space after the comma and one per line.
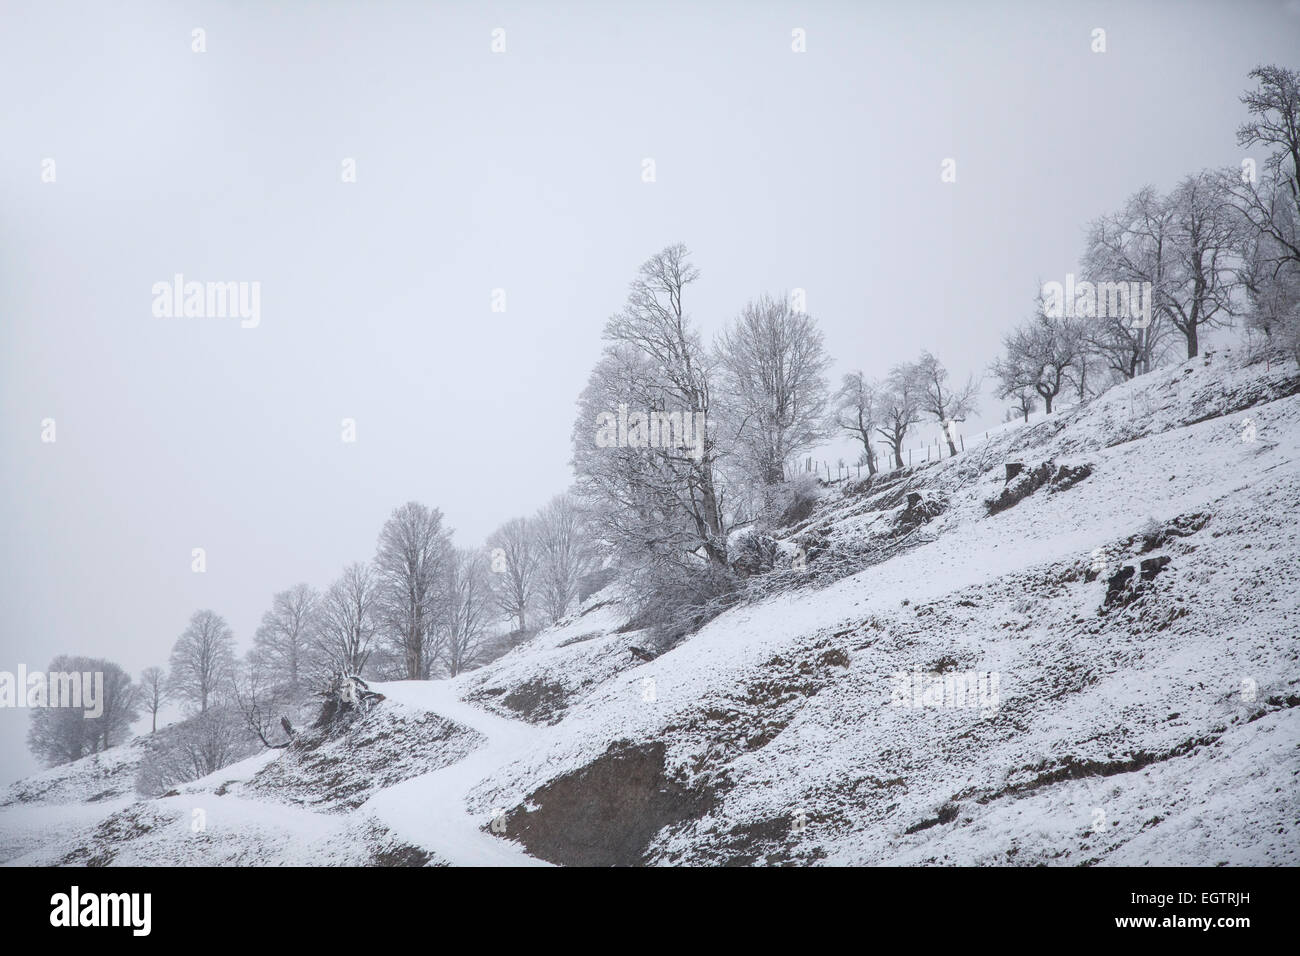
(1153,722)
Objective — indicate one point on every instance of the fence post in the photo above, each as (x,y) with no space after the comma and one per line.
(963,442)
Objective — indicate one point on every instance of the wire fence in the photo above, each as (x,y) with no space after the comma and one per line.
(935,450)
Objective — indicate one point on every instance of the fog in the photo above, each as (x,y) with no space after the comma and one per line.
(519,171)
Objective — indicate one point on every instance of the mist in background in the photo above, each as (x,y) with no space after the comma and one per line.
(519,171)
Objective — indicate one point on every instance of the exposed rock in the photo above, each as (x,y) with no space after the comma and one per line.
(607,813)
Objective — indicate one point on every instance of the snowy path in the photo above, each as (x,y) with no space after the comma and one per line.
(429,810)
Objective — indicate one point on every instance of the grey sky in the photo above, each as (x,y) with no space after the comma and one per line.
(519,171)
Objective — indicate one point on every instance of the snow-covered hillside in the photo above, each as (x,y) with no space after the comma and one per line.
(1126,608)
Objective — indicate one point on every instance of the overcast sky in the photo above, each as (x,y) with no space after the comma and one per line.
(519,171)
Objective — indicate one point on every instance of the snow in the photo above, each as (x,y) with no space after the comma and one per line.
(431,810)
(1122,737)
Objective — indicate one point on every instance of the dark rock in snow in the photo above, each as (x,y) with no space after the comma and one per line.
(1153,566)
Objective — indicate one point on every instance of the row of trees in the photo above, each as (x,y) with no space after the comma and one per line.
(62,734)
(912,393)
(422,607)
(539,564)
(1222,244)
(663,511)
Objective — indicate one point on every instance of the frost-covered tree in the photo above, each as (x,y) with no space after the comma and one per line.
(1039,354)
(468,608)
(62,734)
(282,643)
(940,401)
(1025,401)
(121,706)
(515,548)
(644,454)
(1199,286)
(1270,208)
(857,411)
(1274,106)
(409,565)
(347,620)
(565,555)
(772,390)
(202,660)
(901,403)
(1273,292)
(153,693)
(1132,245)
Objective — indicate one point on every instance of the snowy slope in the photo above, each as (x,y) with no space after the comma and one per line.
(1148,720)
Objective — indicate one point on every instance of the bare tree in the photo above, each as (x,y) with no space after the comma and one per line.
(1132,246)
(1270,208)
(409,563)
(564,555)
(347,621)
(772,389)
(1273,291)
(60,734)
(1274,106)
(469,602)
(900,408)
(514,580)
(654,365)
(941,402)
(1203,277)
(1026,400)
(1039,355)
(262,701)
(202,660)
(857,412)
(121,706)
(153,693)
(282,644)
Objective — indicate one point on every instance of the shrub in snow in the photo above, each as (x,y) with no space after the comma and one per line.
(798,500)
(920,508)
(751,551)
(677,600)
(194,748)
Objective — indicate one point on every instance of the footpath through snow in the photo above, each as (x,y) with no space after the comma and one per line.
(431,810)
